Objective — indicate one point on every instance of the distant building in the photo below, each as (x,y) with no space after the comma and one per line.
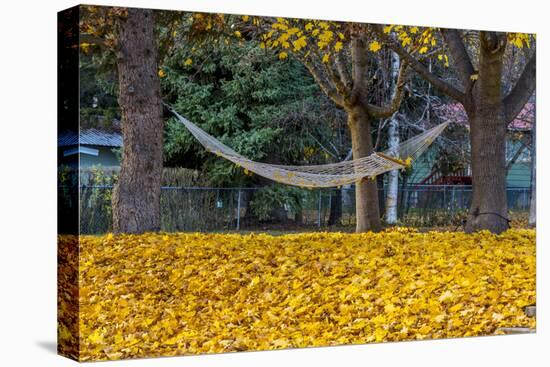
(91,147)
(518,152)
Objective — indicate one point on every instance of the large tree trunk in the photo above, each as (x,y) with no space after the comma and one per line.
(489,206)
(488,139)
(136,197)
(533,199)
(366,192)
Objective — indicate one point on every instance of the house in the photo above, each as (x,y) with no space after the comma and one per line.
(90,147)
(518,152)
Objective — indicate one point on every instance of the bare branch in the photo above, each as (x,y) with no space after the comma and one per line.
(325,149)
(326,87)
(335,79)
(417,66)
(461,59)
(516,156)
(390,108)
(91,39)
(343,71)
(522,91)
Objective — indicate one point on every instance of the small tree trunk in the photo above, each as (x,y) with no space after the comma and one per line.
(533,199)
(393,176)
(136,197)
(404,198)
(393,143)
(335,207)
(366,192)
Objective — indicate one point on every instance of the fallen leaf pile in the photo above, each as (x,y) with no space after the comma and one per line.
(188,293)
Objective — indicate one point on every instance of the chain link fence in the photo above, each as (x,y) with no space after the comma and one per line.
(280,208)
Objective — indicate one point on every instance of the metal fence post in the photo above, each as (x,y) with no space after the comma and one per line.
(319,211)
(239,209)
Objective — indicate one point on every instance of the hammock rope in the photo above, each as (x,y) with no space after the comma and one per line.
(324,175)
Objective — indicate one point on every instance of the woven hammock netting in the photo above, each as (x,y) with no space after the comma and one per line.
(325,175)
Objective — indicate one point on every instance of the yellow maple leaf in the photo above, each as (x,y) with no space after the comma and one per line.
(375,46)
(97,336)
(380,334)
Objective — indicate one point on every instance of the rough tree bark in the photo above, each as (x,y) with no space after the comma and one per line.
(489,209)
(489,113)
(366,190)
(136,196)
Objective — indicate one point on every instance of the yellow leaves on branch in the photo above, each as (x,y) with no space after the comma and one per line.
(442,57)
(375,46)
(299,43)
(187,293)
(416,39)
(519,39)
(303,35)
(283,55)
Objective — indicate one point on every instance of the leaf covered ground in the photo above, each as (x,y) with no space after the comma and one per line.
(188,293)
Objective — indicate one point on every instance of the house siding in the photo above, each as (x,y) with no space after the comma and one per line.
(519,174)
(105,158)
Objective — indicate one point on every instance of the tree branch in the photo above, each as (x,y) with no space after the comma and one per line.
(522,91)
(417,66)
(338,83)
(359,64)
(514,159)
(91,39)
(462,61)
(342,71)
(390,108)
(328,89)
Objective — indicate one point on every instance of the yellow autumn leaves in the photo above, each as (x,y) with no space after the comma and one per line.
(295,35)
(188,293)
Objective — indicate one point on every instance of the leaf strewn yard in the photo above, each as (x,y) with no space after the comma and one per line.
(172,294)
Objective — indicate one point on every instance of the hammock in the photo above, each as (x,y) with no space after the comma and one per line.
(325,175)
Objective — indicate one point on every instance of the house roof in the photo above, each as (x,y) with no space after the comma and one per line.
(455,112)
(90,137)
